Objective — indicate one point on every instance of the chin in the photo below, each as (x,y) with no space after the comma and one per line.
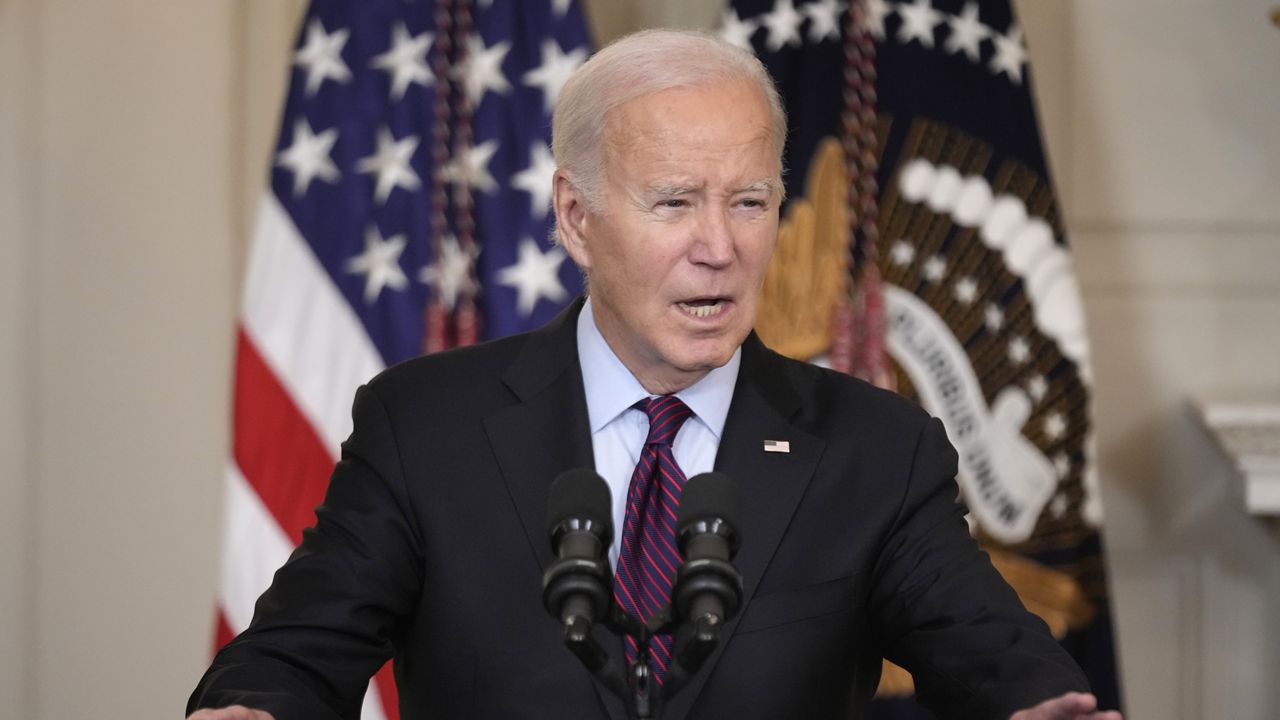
(707,360)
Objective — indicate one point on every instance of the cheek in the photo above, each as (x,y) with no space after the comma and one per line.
(758,255)
(650,263)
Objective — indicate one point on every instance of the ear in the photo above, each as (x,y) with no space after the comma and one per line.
(571,219)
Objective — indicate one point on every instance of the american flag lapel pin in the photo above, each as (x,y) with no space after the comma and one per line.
(778,446)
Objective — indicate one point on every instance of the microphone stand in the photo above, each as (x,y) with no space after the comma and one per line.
(707,591)
(635,687)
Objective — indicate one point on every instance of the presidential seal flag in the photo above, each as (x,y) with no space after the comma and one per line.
(408,210)
(923,248)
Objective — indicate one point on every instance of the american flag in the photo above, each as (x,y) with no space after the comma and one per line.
(408,211)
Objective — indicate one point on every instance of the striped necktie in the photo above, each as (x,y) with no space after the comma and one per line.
(648,560)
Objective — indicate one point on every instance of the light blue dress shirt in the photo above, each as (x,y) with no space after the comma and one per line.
(618,431)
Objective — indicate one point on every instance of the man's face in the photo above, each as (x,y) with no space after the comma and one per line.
(689,218)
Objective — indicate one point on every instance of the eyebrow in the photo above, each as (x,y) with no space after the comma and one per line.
(664,189)
(761,186)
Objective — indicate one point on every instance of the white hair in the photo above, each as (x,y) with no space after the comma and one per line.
(636,65)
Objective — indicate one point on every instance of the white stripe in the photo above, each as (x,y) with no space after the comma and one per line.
(253,547)
(372,707)
(303,326)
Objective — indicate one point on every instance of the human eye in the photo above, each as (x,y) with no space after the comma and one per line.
(753,202)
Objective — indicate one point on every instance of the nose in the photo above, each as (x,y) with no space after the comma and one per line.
(713,245)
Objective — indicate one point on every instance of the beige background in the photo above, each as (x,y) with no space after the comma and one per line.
(133,141)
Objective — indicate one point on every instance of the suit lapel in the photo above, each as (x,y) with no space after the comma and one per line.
(546,433)
(770,483)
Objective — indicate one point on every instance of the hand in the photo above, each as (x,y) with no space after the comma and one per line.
(1071,706)
(235,712)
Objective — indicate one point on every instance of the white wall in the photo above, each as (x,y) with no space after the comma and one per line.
(16,174)
(1166,145)
(133,139)
(117,324)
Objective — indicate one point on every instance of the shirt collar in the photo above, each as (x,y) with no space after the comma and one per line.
(611,388)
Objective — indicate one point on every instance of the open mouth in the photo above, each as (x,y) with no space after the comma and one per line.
(703,307)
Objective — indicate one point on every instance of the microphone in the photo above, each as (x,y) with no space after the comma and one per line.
(577,585)
(575,588)
(708,588)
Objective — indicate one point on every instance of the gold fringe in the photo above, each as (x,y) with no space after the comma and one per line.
(1053,595)
(807,277)
(895,682)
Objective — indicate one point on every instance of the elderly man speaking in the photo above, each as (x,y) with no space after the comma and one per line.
(430,544)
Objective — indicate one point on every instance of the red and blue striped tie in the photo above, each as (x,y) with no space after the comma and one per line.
(648,560)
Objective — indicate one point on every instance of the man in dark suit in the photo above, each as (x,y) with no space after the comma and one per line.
(431,541)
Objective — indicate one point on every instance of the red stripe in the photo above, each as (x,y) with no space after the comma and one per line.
(628,542)
(652,603)
(668,511)
(625,591)
(664,537)
(626,576)
(656,576)
(660,408)
(276,448)
(630,605)
(668,475)
(655,656)
(631,517)
(657,418)
(665,570)
(633,494)
(662,434)
(663,543)
(659,649)
(385,682)
(222,632)
(661,421)
(630,587)
(672,497)
(657,550)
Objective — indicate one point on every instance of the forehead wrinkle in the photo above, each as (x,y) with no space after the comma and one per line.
(642,135)
(628,133)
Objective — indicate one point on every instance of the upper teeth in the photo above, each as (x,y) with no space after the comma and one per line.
(702,310)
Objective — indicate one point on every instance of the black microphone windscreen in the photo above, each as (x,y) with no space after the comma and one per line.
(709,496)
(579,494)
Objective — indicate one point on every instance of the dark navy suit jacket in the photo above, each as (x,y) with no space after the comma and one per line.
(431,541)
